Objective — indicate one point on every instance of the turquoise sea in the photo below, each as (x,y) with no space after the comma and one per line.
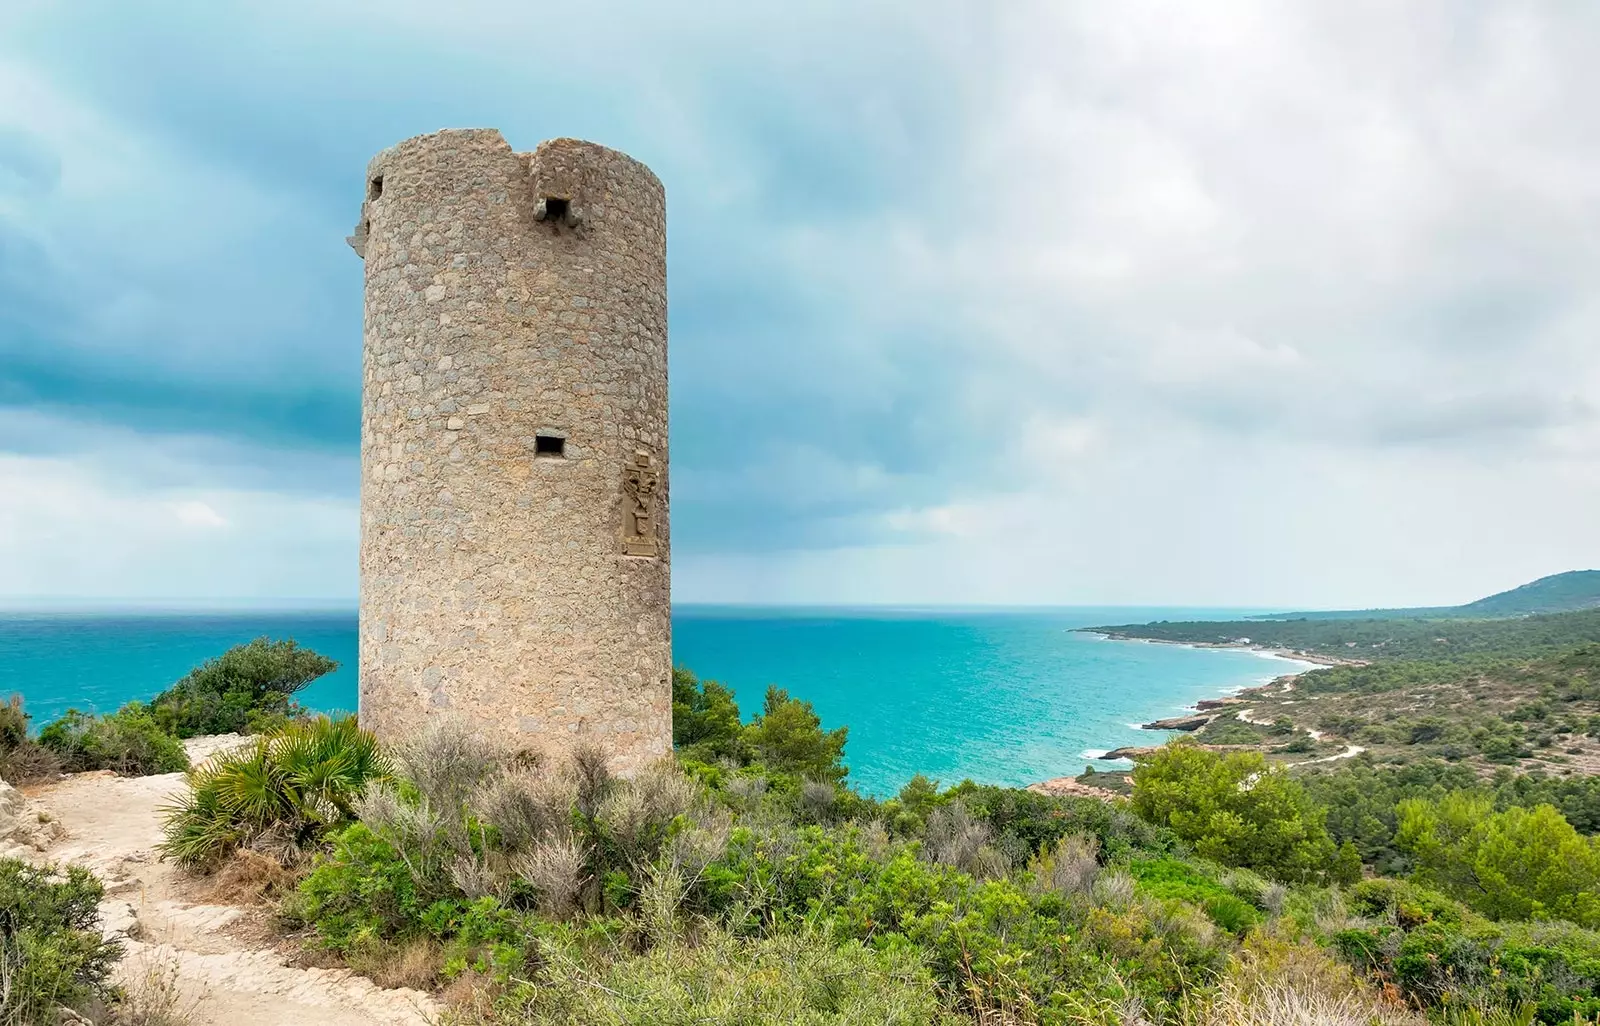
(1005,697)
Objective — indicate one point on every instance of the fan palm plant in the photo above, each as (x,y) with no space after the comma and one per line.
(281,794)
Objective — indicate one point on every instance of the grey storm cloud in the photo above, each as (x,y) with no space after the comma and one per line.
(1002,303)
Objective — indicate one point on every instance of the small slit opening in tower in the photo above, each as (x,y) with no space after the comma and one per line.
(553,446)
(556,207)
(375,187)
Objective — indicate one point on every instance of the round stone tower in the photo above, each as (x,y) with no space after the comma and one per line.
(514,544)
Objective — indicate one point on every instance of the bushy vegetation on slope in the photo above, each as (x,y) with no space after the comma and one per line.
(247,689)
(1363,800)
(1515,864)
(51,953)
(129,741)
(1538,715)
(22,759)
(744,882)
(1236,810)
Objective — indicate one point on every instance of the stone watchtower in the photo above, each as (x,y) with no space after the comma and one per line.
(514,542)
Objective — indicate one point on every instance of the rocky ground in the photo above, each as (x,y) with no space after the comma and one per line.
(228,966)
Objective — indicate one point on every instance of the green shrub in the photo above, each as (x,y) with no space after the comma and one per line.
(1346,868)
(51,952)
(1172,879)
(13,724)
(129,741)
(359,892)
(282,794)
(1443,955)
(993,945)
(807,979)
(248,685)
(1026,823)
(1234,809)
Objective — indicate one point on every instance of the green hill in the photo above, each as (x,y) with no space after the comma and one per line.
(1371,638)
(1558,593)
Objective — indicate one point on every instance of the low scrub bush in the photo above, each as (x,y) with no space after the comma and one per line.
(22,759)
(150,995)
(807,979)
(473,850)
(362,891)
(1276,981)
(1442,955)
(1173,879)
(1025,823)
(748,884)
(280,796)
(129,742)
(51,952)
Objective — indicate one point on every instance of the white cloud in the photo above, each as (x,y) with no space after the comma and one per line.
(1317,277)
(67,533)
(194,513)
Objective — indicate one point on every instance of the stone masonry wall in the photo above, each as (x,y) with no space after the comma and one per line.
(508,297)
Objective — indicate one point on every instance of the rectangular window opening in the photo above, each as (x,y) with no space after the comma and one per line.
(375,187)
(555,208)
(549,445)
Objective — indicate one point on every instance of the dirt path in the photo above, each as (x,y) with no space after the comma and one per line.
(1350,752)
(226,971)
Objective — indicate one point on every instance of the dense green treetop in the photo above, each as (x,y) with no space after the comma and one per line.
(1515,864)
(1235,809)
(786,737)
(234,691)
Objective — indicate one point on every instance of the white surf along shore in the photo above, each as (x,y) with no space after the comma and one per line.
(1292,661)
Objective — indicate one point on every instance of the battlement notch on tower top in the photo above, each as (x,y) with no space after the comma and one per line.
(565,178)
(515,538)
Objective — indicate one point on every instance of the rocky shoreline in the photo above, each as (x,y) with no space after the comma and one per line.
(1204,710)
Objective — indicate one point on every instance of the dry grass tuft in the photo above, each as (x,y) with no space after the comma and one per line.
(1276,982)
(524,804)
(470,995)
(415,964)
(448,762)
(250,878)
(554,866)
(1070,867)
(152,997)
(1114,889)
(591,776)
(29,763)
(956,838)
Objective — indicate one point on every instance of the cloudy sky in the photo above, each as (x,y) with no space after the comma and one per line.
(1246,303)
